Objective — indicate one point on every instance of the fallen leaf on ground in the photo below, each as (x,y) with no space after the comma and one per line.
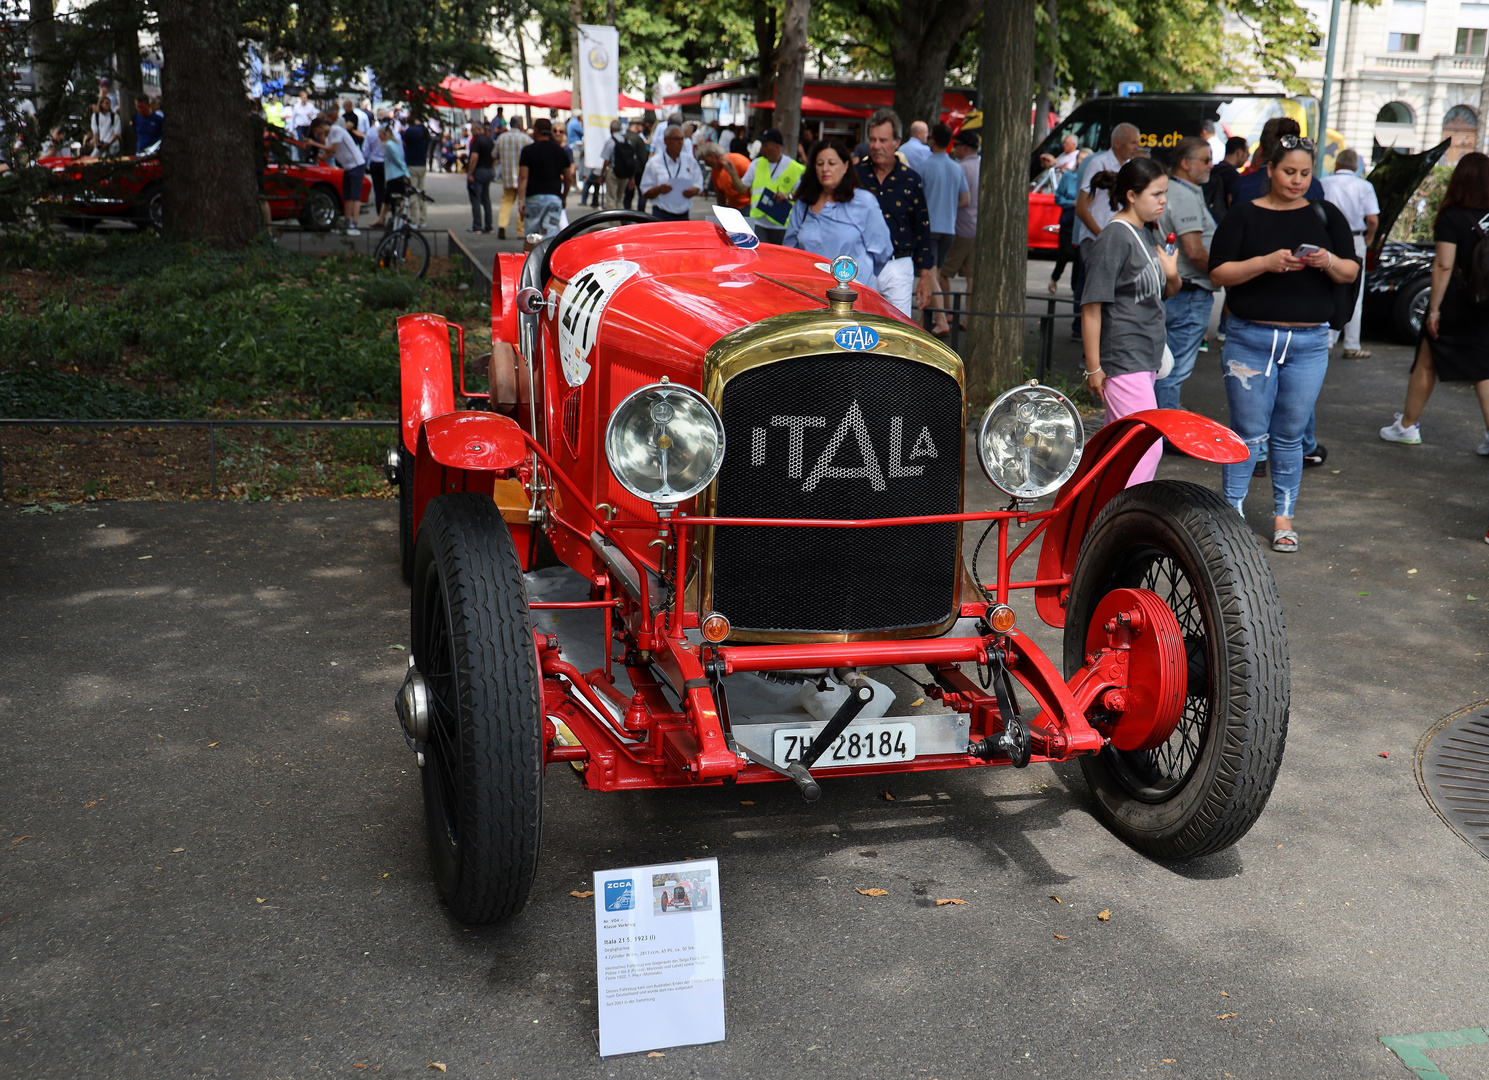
(582,895)
(18,839)
(1170,1061)
(1385,753)
(177,850)
(873,892)
(142,558)
(1473,597)
(746,802)
(656,1053)
(358,1065)
(886,796)
(1224,994)
(91,805)
(1225,1016)
(917,701)
(1411,571)
(1062,937)
(943,903)
(1105,914)
(1056,899)
(211,744)
(440,1065)
(261,899)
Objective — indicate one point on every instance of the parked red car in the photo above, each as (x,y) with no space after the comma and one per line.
(1044,215)
(723,613)
(131,188)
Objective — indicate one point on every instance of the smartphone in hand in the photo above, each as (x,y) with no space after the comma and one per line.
(1304,250)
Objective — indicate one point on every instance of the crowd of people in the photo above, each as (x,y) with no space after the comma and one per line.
(1152,248)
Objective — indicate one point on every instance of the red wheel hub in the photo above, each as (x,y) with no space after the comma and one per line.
(1137,625)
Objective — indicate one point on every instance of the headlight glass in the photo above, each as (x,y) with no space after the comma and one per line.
(665,443)
(1030,441)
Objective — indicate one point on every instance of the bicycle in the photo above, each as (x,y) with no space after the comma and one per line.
(403,249)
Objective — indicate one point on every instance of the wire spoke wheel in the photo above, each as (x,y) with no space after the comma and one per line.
(404,251)
(1202,789)
(483,758)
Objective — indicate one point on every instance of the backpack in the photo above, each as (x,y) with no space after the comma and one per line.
(623,163)
(1475,275)
(1344,295)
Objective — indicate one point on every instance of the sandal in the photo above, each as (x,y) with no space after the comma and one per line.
(1285,540)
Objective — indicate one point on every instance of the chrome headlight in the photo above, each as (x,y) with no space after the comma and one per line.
(1030,441)
(665,443)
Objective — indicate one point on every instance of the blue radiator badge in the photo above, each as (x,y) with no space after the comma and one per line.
(857,338)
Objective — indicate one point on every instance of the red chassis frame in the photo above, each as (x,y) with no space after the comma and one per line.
(1133,679)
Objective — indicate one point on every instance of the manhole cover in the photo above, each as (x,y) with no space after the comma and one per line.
(1453,771)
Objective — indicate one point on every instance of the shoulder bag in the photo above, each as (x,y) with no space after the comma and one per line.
(1344,294)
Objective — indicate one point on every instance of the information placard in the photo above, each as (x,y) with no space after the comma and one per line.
(659,949)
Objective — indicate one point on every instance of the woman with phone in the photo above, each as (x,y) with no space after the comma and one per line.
(1278,258)
(1454,345)
(1127,276)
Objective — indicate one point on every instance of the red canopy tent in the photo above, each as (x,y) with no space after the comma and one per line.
(815,106)
(467,94)
(564,99)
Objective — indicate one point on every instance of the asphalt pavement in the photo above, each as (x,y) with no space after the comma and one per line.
(214,861)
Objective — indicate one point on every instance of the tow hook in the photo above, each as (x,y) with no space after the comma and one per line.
(412,705)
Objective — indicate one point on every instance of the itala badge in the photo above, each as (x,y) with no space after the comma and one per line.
(857,338)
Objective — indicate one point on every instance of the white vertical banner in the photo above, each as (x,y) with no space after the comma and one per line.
(599,87)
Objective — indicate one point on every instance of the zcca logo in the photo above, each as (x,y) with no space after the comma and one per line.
(620,895)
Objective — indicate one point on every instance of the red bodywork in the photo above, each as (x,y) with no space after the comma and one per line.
(1044,213)
(695,287)
(121,187)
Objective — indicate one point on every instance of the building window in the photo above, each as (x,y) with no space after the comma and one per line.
(1402,42)
(1395,112)
(1470,42)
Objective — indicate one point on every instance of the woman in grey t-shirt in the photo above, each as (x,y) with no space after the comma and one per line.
(1122,316)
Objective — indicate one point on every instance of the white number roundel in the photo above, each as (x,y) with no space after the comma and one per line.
(579,313)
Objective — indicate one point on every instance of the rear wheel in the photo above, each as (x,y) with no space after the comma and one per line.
(405,251)
(472,641)
(321,210)
(1204,788)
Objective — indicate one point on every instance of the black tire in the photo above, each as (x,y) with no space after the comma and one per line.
(321,210)
(405,512)
(483,773)
(1204,788)
(153,202)
(1410,308)
(405,252)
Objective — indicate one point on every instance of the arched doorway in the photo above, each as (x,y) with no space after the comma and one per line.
(1395,127)
(1461,124)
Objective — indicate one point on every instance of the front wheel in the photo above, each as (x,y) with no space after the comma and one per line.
(405,251)
(1410,309)
(321,210)
(1205,787)
(483,771)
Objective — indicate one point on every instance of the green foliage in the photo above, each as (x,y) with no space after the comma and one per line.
(264,331)
(1414,225)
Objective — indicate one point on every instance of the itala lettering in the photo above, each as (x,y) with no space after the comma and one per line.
(849,454)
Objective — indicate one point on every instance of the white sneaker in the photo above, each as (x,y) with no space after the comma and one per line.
(1395,432)
(354,231)
(1483,447)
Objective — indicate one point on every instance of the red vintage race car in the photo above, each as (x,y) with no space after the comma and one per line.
(131,188)
(725,612)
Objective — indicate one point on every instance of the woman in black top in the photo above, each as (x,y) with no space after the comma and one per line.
(1454,345)
(1278,258)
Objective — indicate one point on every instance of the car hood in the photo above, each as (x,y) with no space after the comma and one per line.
(1396,178)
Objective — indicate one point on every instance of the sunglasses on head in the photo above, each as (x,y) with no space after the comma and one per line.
(1297,142)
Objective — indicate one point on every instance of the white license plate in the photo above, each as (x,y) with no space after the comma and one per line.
(860,744)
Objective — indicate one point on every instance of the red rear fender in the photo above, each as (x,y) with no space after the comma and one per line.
(428,383)
(1198,436)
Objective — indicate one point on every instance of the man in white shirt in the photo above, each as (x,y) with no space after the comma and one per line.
(1093,215)
(1355,197)
(672,178)
(915,148)
(337,141)
(659,132)
(1217,142)
(1070,153)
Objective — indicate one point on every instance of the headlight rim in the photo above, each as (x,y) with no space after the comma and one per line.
(674,499)
(1075,458)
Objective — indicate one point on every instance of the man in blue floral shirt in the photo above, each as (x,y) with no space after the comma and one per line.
(902,198)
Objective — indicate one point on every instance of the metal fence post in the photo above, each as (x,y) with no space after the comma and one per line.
(212,453)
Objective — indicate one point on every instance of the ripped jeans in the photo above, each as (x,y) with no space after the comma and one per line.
(1272,377)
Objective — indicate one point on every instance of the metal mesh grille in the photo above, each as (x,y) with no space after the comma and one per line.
(839,436)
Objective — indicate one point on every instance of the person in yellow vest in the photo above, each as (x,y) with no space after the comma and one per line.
(771,180)
(274,112)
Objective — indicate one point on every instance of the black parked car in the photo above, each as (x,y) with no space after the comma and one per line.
(1398,276)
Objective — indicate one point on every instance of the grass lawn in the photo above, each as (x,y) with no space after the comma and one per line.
(138,327)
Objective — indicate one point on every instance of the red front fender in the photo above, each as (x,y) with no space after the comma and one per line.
(1114,452)
(464,451)
(426,378)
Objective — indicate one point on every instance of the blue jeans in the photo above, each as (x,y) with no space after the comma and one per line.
(1272,377)
(540,214)
(1187,317)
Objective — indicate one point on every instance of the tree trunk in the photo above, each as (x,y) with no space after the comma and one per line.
(927,33)
(765,47)
(43,42)
(128,77)
(792,74)
(1047,70)
(1000,272)
(206,151)
(522,58)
